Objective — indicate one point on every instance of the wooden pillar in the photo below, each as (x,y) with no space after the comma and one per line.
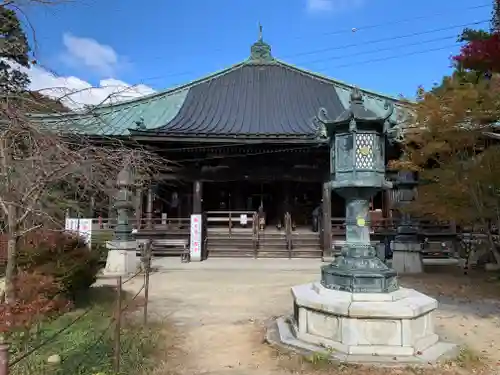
(197,197)
(386,203)
(149,208)
(327,219)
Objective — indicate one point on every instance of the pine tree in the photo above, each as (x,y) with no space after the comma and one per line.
(14,50)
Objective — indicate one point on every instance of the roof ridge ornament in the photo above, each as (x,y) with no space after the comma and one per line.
(356,95)
(260,50)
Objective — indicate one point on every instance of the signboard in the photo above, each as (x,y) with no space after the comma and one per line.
(85,230)
(82,227)
(71,225)
(195,238)
(243,219)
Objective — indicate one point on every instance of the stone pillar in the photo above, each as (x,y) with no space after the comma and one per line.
(326,226)
(406,248)
(138,208)
(122,254)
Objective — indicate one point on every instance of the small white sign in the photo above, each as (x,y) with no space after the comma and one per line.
(195,244)
(164,218)
(71,225)
(85,230)
(243,219)
(82,227)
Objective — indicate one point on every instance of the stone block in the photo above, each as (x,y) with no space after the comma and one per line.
(407,257)
(319,324)
(284,333)
(122,258)
(357,332)
(398,323)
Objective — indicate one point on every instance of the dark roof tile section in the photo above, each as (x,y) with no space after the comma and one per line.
(254,100)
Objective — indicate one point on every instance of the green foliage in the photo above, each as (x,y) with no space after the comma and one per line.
(86,347)
(63,256)
(448,147)
(13,49)
(470,35)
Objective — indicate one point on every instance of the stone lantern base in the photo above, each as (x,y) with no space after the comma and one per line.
(122,258)
(407,257)
(389,328)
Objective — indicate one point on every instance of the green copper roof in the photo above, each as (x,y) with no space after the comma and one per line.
(115,119)
(260,96)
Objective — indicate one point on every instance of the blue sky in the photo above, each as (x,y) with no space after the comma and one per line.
(160,43)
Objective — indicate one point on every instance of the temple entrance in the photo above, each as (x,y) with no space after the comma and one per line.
(276,198)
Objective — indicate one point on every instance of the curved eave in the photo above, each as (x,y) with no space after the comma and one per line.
(221,138)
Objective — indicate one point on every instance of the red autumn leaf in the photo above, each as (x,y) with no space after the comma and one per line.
(482,55)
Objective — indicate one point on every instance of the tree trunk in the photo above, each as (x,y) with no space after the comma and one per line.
(12,239)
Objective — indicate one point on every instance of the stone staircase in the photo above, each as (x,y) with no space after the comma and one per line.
(240,244)
(306,244)
(272,243)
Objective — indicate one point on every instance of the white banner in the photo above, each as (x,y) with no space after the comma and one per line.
(82,227)
(195,244)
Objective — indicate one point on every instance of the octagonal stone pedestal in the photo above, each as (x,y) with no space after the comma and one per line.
(392,327)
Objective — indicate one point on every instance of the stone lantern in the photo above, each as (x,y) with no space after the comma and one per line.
(358,310)
(123,205)
(122,250)
(357,172)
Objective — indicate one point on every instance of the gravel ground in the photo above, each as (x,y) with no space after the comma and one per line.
(220,307)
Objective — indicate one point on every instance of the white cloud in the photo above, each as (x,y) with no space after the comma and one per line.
(319,6)
(90,54)
(75,92)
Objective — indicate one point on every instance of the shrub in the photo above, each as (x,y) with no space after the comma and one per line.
(99,239)
(37,297)
(61,255)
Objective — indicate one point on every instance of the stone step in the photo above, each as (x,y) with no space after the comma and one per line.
(230,240)
(230,254)
(312,243)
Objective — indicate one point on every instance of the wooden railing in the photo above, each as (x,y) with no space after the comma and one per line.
(388,226)
(159,223)
(103,229)
(438,238)
(230,219)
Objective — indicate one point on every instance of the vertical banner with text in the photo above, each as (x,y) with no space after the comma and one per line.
(195,243)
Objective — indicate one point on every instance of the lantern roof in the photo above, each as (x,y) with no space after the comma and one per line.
(356,115)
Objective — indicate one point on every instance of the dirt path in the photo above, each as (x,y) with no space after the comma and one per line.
(220,315)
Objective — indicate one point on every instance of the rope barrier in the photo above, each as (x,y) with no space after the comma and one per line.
(94,344)
(115,319)
(132,277)
(51,339)
(133,299)
(74,321)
